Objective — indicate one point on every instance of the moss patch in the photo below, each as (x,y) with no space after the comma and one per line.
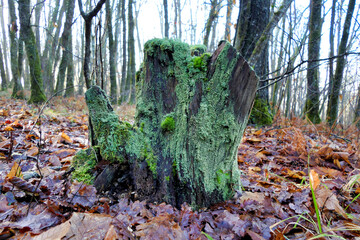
(168,124)
(84,162)
(260,113)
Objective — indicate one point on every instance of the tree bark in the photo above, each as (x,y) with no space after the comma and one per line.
(18,91)
(165,3)
(65,43)
(123,94)
(212,15)
(130,79)
(190,119)
(357,111)
(88,18)
(313,94)
(2,71)
(112,49)
(37,92)
(333,101)
(228,20)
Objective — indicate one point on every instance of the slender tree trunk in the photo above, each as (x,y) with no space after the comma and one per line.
(123,94)
(65,43)
(69,91)
(209,23)
(175,33)
(2,71)
(331,40)
(130,85)
(5,46)
(37,91)
(88,18)
(313,94)
(166,16)
(38,8)
(112,50)
(46,61)
(333,101)
(18,91)
(228,20)
(179,19)
(357,111)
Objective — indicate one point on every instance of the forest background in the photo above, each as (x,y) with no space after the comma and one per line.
(121,28)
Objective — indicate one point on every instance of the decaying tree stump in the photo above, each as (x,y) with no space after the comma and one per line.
(191,113)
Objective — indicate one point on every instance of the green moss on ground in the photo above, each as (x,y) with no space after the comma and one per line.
(84,163)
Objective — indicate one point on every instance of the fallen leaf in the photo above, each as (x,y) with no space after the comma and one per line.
(65,138)
(33,151)
(325,198)
(15,171)
(314,179)
(79,226)
(8,129)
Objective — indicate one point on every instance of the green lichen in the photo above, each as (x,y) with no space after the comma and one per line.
(84,162)
(168,124)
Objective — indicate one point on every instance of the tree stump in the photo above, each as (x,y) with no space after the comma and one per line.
(191,113)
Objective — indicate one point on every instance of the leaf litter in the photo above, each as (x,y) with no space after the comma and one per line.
(39,200)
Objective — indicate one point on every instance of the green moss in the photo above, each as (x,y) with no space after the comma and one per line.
(84,162)
(197,50)
(168,124)
(260,113)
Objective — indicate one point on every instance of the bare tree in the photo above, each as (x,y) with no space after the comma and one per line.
(88,18)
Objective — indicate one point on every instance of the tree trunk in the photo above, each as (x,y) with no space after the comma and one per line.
(37,92)
(228,20)
(46,61)
(69,90)
(39,6)
(88,18)
(333,101)
(212,15)
(357,111)
(5,46)
(165,3)
(313,94)
(190,119)
(18,91)
(253,23)
(130,82)
(123,94)
(112,61)
(65,43)
(2,71)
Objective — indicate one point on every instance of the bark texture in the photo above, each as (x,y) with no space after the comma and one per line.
(191,113)
(313,94)
(335,83)
(37,92)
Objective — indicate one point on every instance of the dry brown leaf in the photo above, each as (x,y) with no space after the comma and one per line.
(33,151)
(4,113)
(8,129)
(79,226)
(111,234)
(295,174)
(258,132)
(329,172)
(65,138)
(15,171)
(325,198)
(325,152)
(341,156)
(314,179)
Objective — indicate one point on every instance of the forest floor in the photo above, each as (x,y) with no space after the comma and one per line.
(278,163)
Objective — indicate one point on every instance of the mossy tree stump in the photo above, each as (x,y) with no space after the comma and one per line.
(191,113)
